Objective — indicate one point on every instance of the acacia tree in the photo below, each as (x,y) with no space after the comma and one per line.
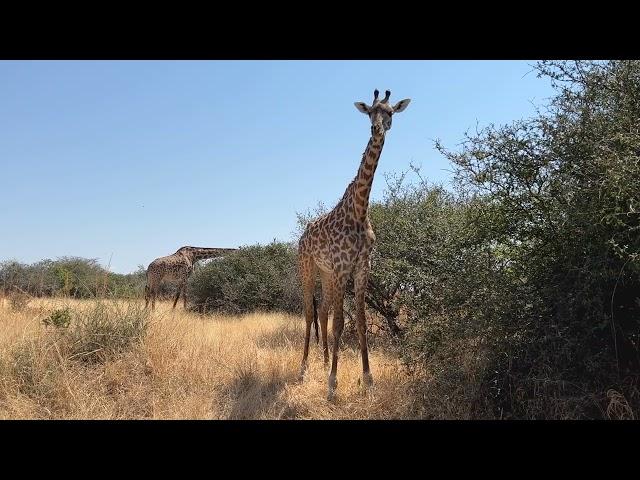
(563,187)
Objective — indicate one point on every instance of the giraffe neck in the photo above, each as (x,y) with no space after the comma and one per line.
(196,254)
(360,188)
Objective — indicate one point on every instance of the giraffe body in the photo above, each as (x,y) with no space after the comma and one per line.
(177,268)
(338,245)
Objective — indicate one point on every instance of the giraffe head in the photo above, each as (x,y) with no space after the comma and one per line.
(380,112)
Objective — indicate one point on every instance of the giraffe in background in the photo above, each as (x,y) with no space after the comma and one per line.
(338,245)
(177,267)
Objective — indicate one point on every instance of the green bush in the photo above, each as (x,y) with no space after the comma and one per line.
(557,222)
(253,278)
(59,318)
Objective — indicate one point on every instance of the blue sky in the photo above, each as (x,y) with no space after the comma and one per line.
(126,161)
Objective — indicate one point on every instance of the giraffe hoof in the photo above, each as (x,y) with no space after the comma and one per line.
(331,395)
(333,383)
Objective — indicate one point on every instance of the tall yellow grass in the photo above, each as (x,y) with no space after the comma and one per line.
(192,367)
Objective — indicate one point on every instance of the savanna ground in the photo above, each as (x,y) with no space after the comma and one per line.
(180,365)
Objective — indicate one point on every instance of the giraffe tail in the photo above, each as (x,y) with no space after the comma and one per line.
(315,318)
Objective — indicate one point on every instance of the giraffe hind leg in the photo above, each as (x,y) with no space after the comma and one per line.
(325,308)
(315,318)
(150,290)
(307,270)
(179,290)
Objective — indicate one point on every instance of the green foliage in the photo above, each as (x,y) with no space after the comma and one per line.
(253,278)
(558,225)
(70,277)
(59,318)
(411,225)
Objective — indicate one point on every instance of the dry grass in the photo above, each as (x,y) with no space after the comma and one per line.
(187,366)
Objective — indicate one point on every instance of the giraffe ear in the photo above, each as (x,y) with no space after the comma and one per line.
(363,107)
(401,105)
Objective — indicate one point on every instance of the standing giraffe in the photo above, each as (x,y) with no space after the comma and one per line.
(177,267)
(338,245)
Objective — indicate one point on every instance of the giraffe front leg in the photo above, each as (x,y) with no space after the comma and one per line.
(338,326)
(325,308)
(361,277)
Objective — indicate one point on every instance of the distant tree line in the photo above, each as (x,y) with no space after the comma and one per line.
(73,277)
